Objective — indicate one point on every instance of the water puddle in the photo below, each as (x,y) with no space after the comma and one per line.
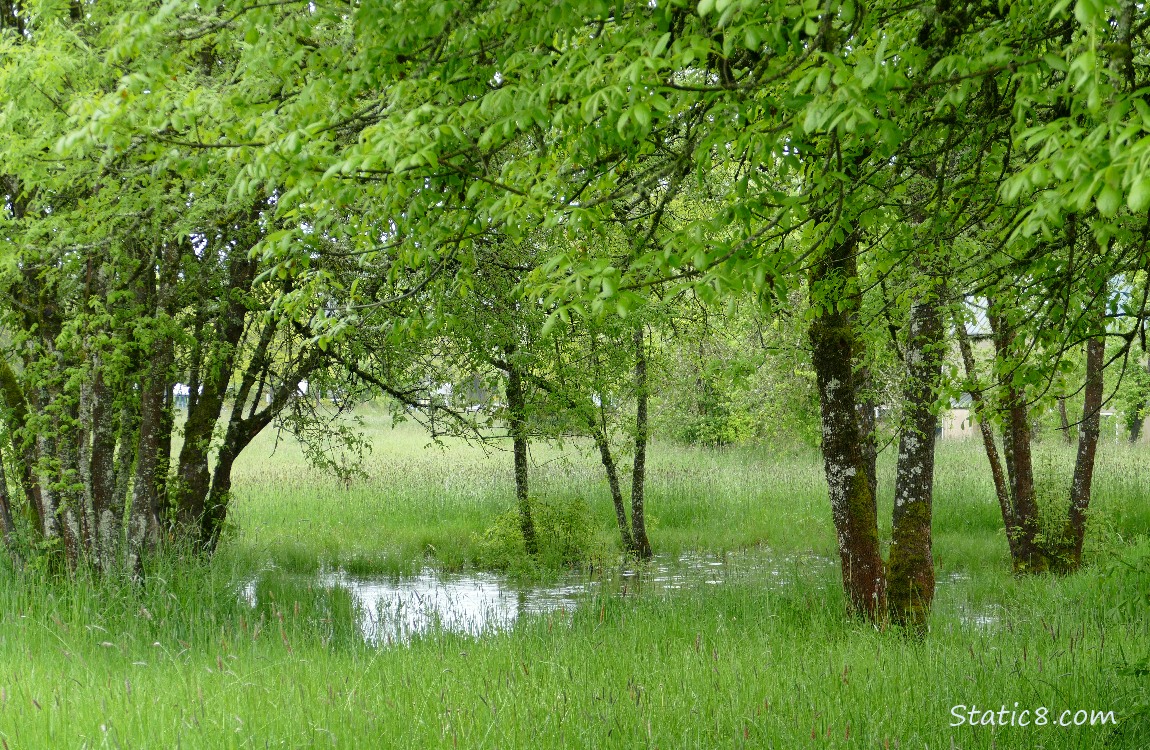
(393,609)
(985,618)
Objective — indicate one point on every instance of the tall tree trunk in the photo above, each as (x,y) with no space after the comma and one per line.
(1030,556)
(7,523)
(241,431)
(24,446)
(164,462)
(517,421)
(220,494)
(868,426)
(982,417)
(910,582)
(1070,557)
(106,513)
(625,536)
(1139,415)
(1136,426)
(69,500)
(1064,421)
(639,468)
(148,504)
(597,425)
(215,372)
(129,428)
(834,351)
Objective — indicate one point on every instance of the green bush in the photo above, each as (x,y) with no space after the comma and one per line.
(564,530)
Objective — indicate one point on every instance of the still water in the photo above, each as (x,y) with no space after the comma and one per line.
(392,609)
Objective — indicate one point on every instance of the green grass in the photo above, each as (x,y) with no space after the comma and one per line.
(421,504)
(184,663)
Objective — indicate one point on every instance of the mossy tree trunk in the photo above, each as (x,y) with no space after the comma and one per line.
(910,578)
(834,345)
(1069,558)
(642,545)
(517,424)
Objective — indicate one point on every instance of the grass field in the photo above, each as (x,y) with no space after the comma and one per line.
(184,662)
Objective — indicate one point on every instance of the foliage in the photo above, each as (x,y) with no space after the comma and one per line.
(564,529)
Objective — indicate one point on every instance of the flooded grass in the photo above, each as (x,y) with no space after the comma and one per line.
(393,609)
(735,637)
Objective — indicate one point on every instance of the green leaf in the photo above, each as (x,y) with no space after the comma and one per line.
(642,115)
(1139,198)
(1087,11)
(1109,200)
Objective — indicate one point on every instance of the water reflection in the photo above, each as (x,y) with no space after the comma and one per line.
(394,609)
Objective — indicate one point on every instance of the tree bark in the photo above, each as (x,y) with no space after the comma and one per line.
(1136,427)
(626,539)
(834,349)
(1139,415)
(910,582)
(7,523)
(16,409)
(106,513)
(517,422)
(148,504)
(642,544)
(204,409)
(1070,557)
(982,416)
(242,430)
(1064,421)
(1029,557)
(868,427)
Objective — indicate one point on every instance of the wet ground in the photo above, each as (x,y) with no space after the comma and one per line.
(392,609)
(395,608)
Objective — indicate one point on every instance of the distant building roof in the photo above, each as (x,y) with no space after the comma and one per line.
(977,322)
(962,402)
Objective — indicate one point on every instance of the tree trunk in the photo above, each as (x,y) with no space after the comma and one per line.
(220,494)
(106,513)
(1138,417)
(1070,557)
(981,415)
(868,426)
(626,539)
(910,583)
(834,350)
(241,431)
(517,421)
(148,504)
(69,501)
(16,408)
(1064,425)
(639,468)
(7,524)
(204,409)
(1029,557)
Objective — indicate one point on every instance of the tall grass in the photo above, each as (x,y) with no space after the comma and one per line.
(184,661)
(423,504)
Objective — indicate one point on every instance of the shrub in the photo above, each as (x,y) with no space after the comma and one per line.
(564,529)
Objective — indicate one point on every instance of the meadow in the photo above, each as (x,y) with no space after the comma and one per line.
(184,661)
